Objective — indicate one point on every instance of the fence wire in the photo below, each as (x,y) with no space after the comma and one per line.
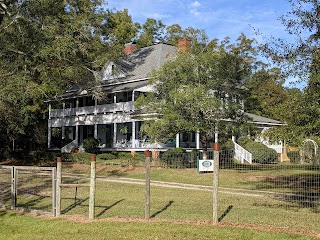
(30,188)
(5,185)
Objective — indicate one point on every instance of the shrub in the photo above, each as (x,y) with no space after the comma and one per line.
(294,156)
(174,158)
(80,157)
(228,145)
(91,145)
(124,155)
(106,156)
(261,153)
(43,155)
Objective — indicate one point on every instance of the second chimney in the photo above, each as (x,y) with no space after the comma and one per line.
(184,44)
(129,48)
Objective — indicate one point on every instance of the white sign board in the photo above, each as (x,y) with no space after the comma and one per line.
(205,165)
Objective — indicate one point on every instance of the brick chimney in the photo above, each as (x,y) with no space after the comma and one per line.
(129,48)
(184,44)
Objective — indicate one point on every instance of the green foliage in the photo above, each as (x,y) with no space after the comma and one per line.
(152,30)
(261,153)
(174,158)
(189,89)
(80,157)
(43,155)
(47,46)
(124,155)
(294,156)
(106,156)
(91,145)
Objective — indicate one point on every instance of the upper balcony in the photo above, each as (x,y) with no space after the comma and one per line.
(89,110)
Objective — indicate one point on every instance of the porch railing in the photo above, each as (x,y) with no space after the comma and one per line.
(105,108)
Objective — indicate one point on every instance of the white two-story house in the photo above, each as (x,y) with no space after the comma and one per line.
(76,115)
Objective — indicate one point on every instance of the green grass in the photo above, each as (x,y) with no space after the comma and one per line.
(18,226)
(126,200)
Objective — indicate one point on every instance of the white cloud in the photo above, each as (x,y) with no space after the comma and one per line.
(195,4)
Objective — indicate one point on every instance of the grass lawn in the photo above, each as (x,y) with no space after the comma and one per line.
(22,226)
(122,200)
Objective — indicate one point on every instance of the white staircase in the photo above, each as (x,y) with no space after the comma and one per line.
(241,154)
(68,148)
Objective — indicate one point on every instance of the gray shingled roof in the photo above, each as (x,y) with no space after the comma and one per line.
(139,64)
(135,66)
(262,120)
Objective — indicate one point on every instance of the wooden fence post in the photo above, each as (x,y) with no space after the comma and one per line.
(58,187)
(92,187)
(147,186)
(14,179)
(215,183)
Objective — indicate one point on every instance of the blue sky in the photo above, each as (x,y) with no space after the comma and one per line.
(220,18)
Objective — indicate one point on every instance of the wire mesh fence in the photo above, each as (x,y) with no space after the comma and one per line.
(30,188)
(274,193)
(5,185)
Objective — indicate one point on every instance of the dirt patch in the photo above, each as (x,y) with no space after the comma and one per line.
(82,219)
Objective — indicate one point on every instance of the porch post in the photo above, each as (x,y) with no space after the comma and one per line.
(49,136)
(216,135)
(197,140)
(114,102)
(77,106)
(177,140)
(77,135)
(96,131)
(63,129)
(95,106)
(63,109)
(114,134)
(49,110)
(133,134)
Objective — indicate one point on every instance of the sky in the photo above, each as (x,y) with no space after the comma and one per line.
(220,18)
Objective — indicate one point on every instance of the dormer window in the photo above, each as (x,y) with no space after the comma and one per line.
(111,72)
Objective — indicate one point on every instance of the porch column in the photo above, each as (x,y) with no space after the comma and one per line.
(95,106)
(95,134)
(63,129)
(114,102)
(133,134)
(49,136)
(63,109)
(197,140)
(77,135)
(216,140)
(77,106)
(49,110)
(177,140)
(114,134)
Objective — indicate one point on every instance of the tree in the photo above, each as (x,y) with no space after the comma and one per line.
(152,30)
(302,22)
(301,58)
(174,32)
(265,93)
(195,91)
(119,30)
(46,47)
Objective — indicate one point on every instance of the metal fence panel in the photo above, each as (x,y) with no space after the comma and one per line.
(5,185)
